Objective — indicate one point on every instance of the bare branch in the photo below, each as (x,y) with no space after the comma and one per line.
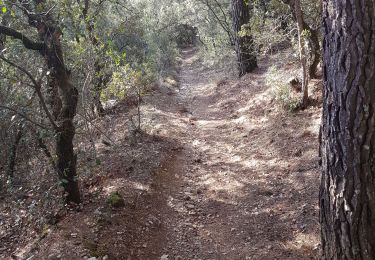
(27,42)
(97,128)
(24,116)
(224,24)
(37,88)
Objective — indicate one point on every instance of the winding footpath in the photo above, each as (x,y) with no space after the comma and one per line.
(242,180)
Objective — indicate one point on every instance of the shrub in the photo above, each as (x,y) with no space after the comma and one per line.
(115,200)
(281,91)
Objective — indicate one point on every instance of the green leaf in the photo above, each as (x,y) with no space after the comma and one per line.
(98,162)
(4,9)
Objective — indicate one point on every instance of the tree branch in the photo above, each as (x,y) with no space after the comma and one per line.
(37,88)
(27,42)
(224,25)
(24,116)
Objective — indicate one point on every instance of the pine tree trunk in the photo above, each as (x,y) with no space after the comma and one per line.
(347,191)
(244,45)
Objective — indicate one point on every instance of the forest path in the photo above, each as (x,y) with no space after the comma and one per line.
(242,183)
(218,173)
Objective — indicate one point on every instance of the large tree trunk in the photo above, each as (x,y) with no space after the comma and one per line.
(66,158)
(244,45)
(347,191)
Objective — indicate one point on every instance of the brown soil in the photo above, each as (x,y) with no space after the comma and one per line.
(220,172)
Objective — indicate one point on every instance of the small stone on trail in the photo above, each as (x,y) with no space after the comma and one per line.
(199,160)
(164,257)
(298,153)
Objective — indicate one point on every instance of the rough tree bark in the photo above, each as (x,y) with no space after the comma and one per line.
(244,45)
(347,191)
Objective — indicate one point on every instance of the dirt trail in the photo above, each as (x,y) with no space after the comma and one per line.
(244,181)
(219,173)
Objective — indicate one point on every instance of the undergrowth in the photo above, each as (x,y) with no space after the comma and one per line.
(281,91)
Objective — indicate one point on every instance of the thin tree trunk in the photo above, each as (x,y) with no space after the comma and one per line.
(63,95)
(315,45)
(101,78)
(97,105)
(313,40)
(244,45)
(42,144)
(347,191)
(223,23)
(13,151)
(305,79)
(59,82)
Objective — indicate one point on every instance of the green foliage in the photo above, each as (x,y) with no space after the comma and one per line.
(245,30)
(115,200)
(124,79)
(281,91)
(283,97)
(45,231)
(98,162)
(306,34)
